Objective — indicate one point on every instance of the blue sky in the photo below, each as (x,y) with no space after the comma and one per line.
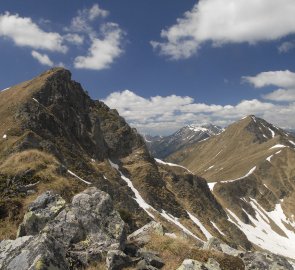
(162,64)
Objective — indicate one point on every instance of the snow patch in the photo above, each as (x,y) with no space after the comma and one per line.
(272,132)
(278,146)
(262,234)
(209,168)
(215,226)
(246,175)
(35,100)
(211,185)
(171,164)
(4,136)
(269,158)
(200,225)
(292,142)
(73,174)
(5,89)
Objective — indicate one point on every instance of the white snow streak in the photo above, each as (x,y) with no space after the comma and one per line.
(211,185)
(171,164)
(141,202)
(292,142)
(4,136)
(200,225)
(272,132)
(246,175)
(278,146)
(215,226)
(75,175)
(174,220)
(209,168)
(5,89)
(35,100)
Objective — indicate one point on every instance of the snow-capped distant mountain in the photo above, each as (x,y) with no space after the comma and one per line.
(161,147)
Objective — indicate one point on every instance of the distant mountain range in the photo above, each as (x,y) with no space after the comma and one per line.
(161,147)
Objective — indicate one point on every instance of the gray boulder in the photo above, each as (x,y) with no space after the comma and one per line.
(216,244)
(59,235)
(32,252)
(143,235)
(45,208)
(88,226)
(259,260)
(151,258)
(117,260)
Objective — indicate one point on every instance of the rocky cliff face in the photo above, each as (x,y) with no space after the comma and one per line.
(162,147)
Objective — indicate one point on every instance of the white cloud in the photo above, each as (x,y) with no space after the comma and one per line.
(81,23)
(285,80)
(163,115)
(24,32)
(286,46)
(281,95)
(227,21)
(42,58)
(74,39)
(103,51)
(95,11)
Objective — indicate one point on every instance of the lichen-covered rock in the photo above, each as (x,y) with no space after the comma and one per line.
(143,235)
(59,235)
(88,226)
(116,260)
(259,260)
(45,208)
(32,252)
(216,244)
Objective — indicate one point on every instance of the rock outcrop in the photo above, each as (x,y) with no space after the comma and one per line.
(81,233)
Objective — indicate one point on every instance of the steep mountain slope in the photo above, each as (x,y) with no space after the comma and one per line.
(251,169)
(161,147)
(53,136)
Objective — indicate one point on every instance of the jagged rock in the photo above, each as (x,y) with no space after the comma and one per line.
(259,260)
(151,258)
(45,208)
(216,244)
(116,260)
(75,234)
(189,264)
(143,235)
(32,252)
(88,226)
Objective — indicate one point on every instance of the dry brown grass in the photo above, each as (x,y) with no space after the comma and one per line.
(174,251)
(41,162)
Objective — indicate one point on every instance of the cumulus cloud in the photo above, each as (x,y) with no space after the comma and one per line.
(163,115)
(74,39)
(24,32)
(103,51)
(42,58)
(284,80)
(227,21)
(286,46)
(81,23)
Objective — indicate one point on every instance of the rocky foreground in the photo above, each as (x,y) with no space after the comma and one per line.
(89,234)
